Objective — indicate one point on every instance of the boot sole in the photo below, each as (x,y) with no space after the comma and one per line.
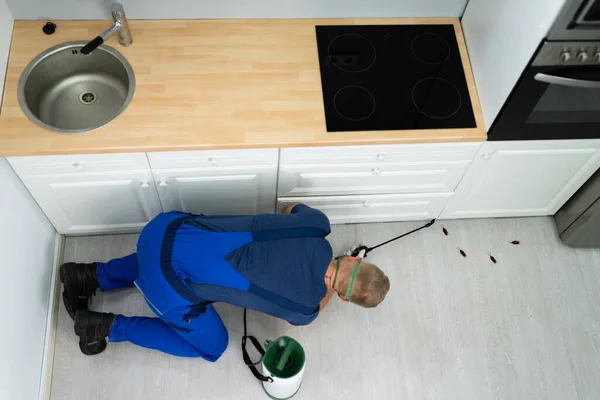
(86,348)
(81,303)
(68,306)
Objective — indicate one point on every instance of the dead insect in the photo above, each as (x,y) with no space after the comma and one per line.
(515,242)
(462,253)
(493,258)
(445,231)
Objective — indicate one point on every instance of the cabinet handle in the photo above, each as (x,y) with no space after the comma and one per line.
(375,171)
(144,185)
(163,184)
(486,156)
(366,204)
(78,166)
(213,160)
(381,156)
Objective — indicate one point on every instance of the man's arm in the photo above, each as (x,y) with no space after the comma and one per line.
(322,217)
(326,299)
(310,216)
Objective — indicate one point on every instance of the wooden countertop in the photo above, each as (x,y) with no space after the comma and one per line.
(209,84)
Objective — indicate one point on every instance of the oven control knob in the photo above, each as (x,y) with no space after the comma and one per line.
(582,56)
(597,57)
(565,56)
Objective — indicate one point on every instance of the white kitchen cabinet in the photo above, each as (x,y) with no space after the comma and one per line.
(92,203)
(235,182)
(421,168)
(532,178)
(375,208)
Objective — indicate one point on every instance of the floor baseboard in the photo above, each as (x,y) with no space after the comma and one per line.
(51,321)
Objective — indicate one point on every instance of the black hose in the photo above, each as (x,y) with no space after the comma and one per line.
(367,250)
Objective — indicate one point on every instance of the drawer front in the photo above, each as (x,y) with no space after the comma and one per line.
(213,159)
(323,180)
(406,153)
(375,208)
(73,164)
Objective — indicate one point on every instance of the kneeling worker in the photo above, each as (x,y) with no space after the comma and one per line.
(279,264)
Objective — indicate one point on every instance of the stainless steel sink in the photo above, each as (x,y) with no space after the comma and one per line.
(65,91)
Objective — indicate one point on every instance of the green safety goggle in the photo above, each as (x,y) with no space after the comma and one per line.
(337,269)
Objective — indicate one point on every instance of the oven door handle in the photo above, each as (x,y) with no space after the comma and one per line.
(570,82)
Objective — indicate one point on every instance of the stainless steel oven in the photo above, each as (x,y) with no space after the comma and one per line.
(558,94)
(557,97)
(578,20)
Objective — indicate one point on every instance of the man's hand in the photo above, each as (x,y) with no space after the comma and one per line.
(288,209)
(326,299)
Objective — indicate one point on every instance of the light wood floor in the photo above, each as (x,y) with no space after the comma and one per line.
(527,327)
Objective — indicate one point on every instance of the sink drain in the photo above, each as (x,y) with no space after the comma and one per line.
(87,97)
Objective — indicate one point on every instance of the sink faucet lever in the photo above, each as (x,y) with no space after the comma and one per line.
(120,25)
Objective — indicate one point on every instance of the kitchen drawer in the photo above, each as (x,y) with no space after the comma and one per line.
(213,158)
(73,164)
(403,153)
(375,208)
(379,178)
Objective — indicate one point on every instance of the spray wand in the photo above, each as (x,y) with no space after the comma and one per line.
(362,251)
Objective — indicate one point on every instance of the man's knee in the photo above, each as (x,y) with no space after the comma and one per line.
(213,332)
(214,350)
(220,343)
(210,342)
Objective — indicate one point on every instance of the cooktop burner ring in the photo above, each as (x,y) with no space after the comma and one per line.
(365,109)
(429,112)
(348,62)
(431,40)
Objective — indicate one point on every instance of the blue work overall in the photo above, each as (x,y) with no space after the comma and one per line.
(169,253)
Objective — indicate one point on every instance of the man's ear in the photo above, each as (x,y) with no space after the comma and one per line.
(354,260)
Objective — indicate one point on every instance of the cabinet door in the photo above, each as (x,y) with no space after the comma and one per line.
(219,191)
(375,208)
(511,179)
(114,202)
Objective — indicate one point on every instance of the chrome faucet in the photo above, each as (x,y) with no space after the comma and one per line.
(121,26)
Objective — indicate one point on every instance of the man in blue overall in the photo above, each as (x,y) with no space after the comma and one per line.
(279,264)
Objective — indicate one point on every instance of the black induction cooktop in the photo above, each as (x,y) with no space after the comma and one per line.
(392,77)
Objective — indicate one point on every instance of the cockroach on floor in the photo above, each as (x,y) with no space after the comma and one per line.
(462,253)
(493,258)
(445,231)
(515,242)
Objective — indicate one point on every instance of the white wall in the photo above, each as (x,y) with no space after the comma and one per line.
(501,37)
(27,242)
(26,253)
(191,9)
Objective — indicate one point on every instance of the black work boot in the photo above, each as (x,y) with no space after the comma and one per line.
(80,282)
(93,329)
